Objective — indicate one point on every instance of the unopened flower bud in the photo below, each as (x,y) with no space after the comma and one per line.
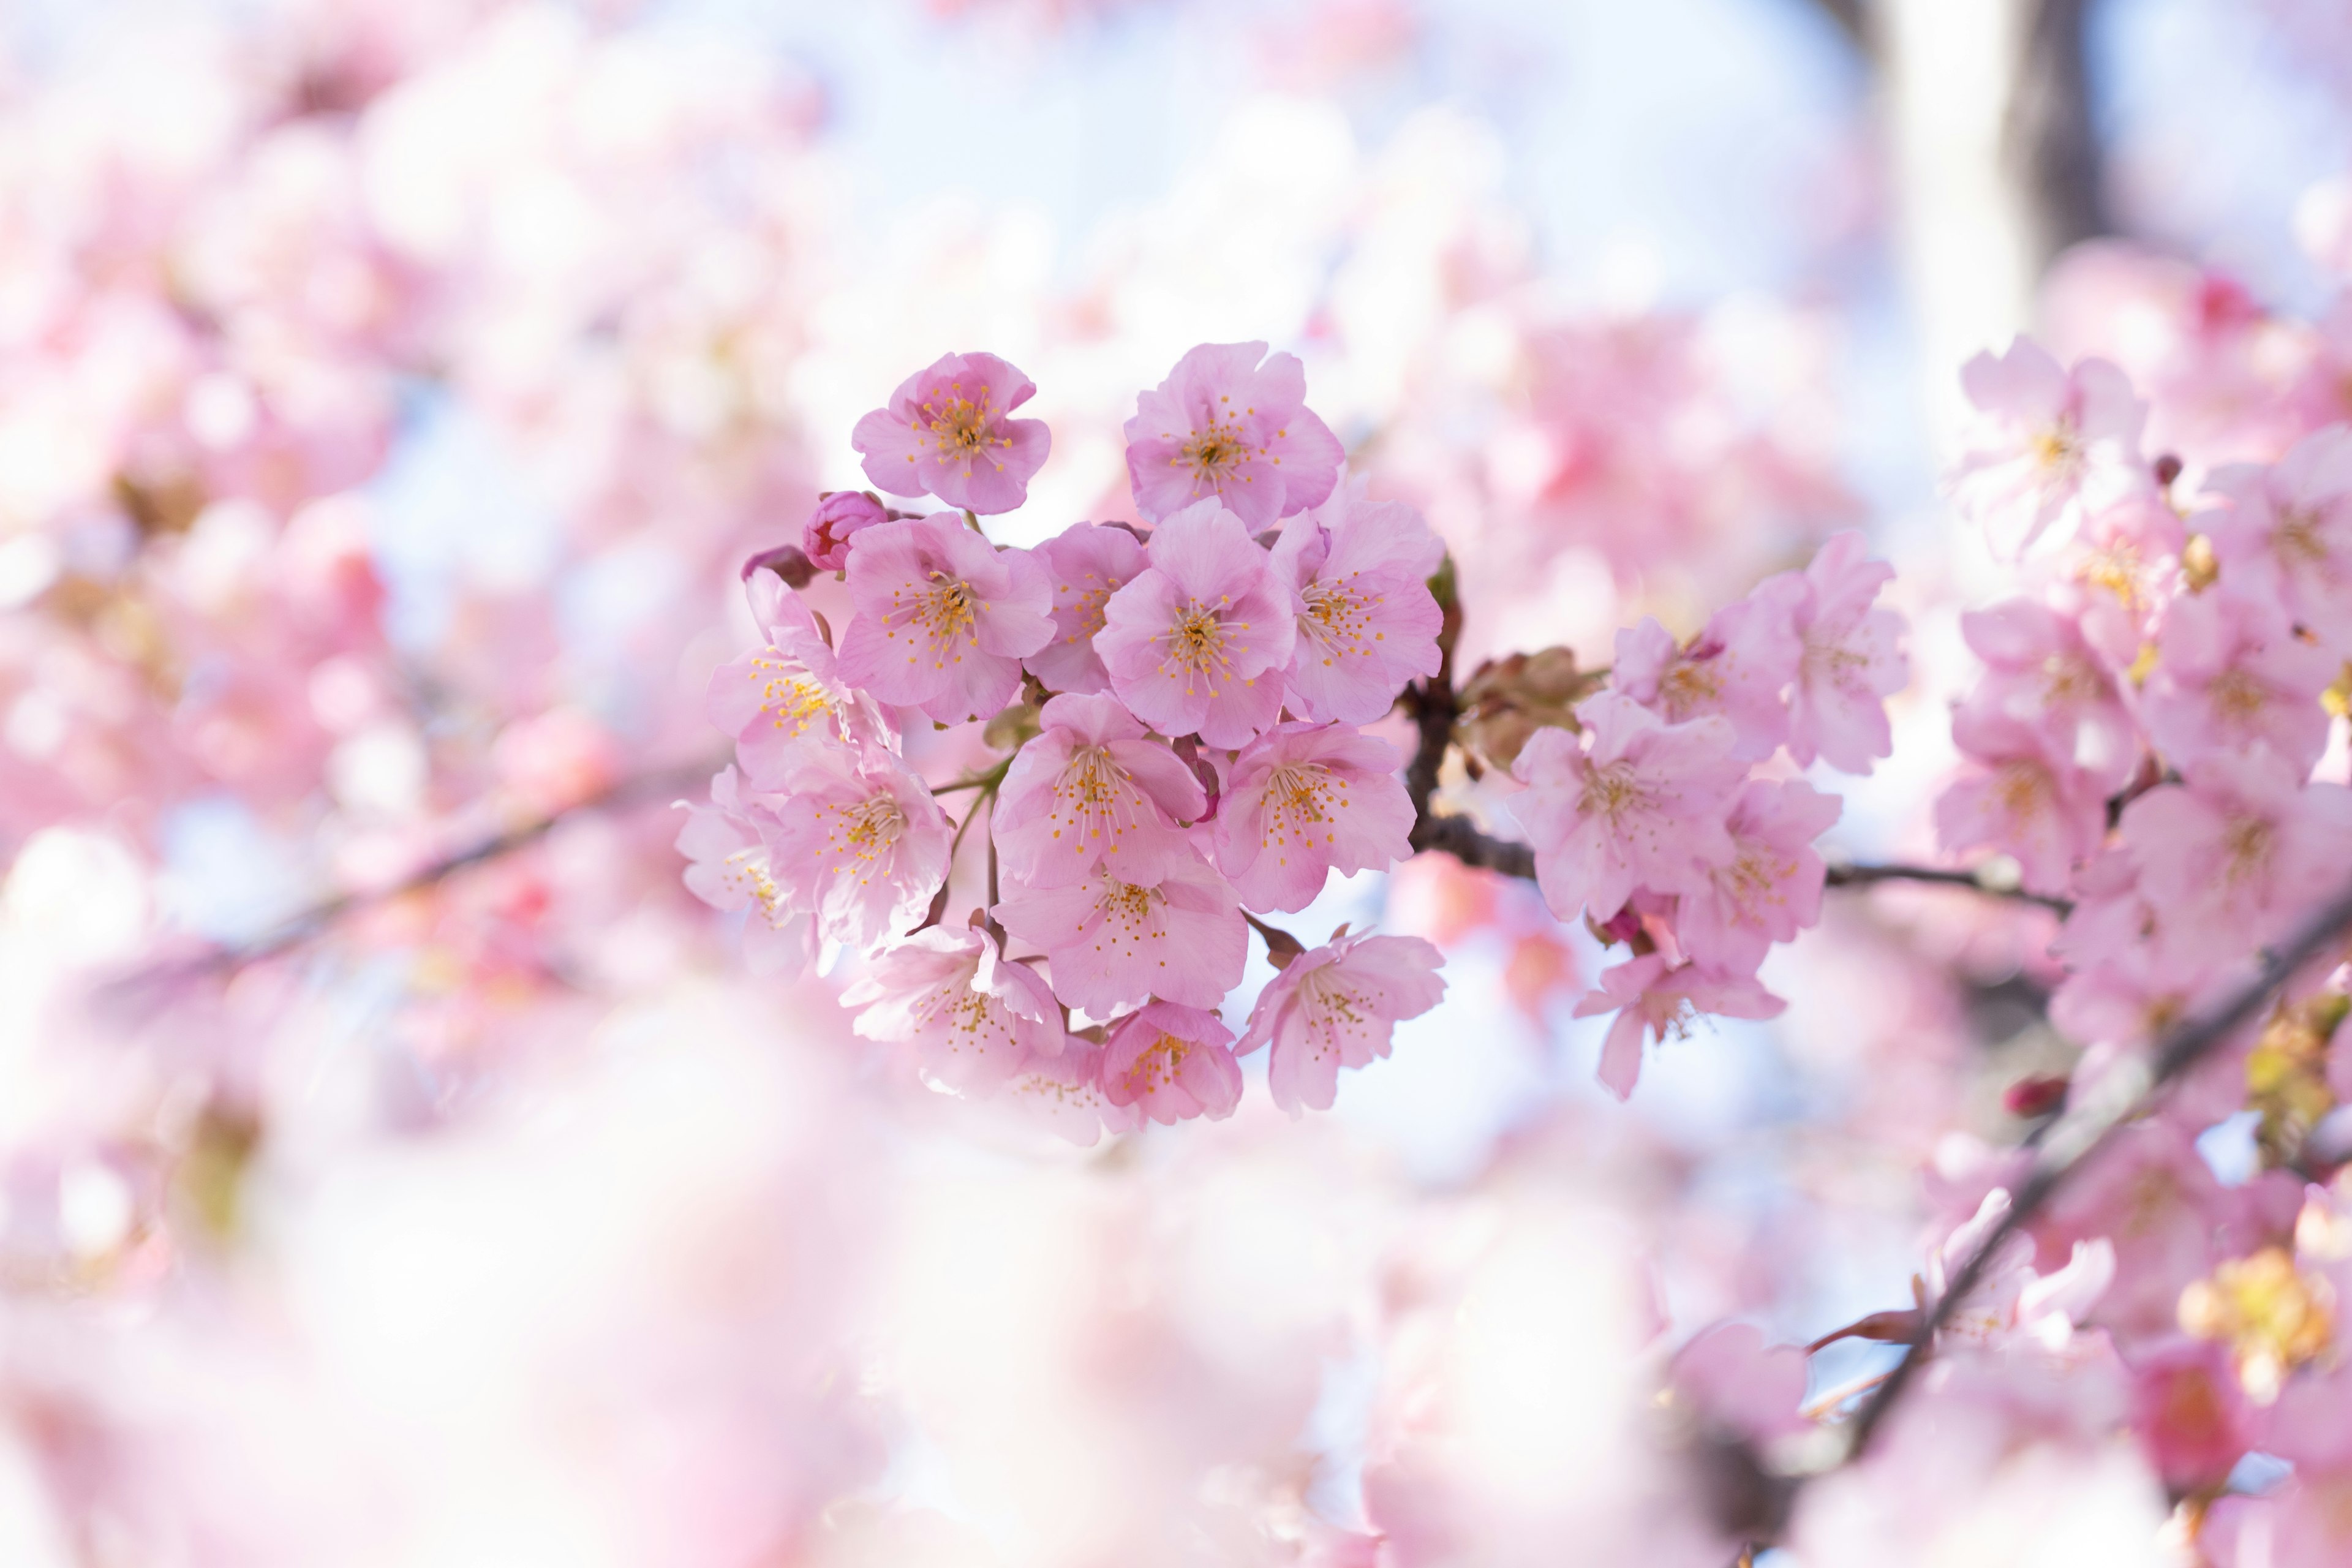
(785,560)
(838,515)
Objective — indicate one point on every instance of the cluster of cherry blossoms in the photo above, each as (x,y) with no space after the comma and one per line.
(2147,739)
(1186,700)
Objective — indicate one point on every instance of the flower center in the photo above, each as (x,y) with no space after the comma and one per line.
(1689,685)
(2058,450)
(791,700)
(1339,619)
(2296,540)
(2236,695)
(1299,798)
(1195,642)
(949,610)
(1156,1067)
(2247,843)
(1612,791)
(958,427)
(1211,453)
(870,827)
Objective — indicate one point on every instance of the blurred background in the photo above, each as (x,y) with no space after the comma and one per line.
(397,1167)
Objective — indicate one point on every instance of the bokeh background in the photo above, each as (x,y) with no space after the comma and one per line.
(389,390)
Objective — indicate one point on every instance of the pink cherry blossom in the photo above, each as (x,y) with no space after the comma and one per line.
(2191,1411)
(2306,1522)
(2230,672)
(1198,642)
(2021,800)
(1640,804)
(2123,567)
(1850,664)
(1338,1006)
(1737,667)
(839,515)
(1305,800)
(1179,937)
(857,839)
(1172,1062)
(729,869)
(1367,622)
(2047,444)
(2011,1300)
(1741,1386)
(789,694)
(947,431)
(1770,887)
(2283,533)
(1063,1094)
(1087,563)
(1224,427)
(2235,854)
(969,1020)
(1651,998)
(2040,671)
(943,620)
(1089,790)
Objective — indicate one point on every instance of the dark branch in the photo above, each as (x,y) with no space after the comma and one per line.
(628,792)
(1852,19)
(1865,876)
(2050,143)
(2085,1131)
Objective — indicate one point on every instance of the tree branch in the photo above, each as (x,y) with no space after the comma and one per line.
(627,793)
(2086,1129)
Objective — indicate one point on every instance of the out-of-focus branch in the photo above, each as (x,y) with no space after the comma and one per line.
(639,790)
(1852,19)
(2049,144)
(2086,1129)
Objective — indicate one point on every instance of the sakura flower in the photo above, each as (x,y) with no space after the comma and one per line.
(1651,998)
(942,620)
(2021,800)
(1087,563)
(2236,853)
(1367,622)
(2047,443)
(1178,936)
(1850,664)
(824,538)
(2123,567)
(947,432)
(2306,1522)
(1172,1062)
(858,839)
(2230,672)
(2010,1299)
(2284,533)
(969,1020)
(2191,1413)
(1769,887)
(1737,667)
(789,694)
(1198,642)
(1063,1093)
(2041,672)
(1089,790)
(1641,805)
(1304,800)
(729,869)
(1224,427)
(1338,1006)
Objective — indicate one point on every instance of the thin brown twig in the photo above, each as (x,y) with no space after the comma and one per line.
(637,790)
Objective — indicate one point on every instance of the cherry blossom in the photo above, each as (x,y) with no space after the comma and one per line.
(1224,427)
(857,839)
(1090,790)
(1177,936)
(1305,800)
(1367,622)
(943,620)
(2229,672)
(1197,642)
(1641,804)
(2241,848)
(2283,533)
(1769,887)
(2048,443)
(2022,800)
(1850,664)
(1739,668)
(1653,998)
(948,431)
(779,698)
(1087,562)
(729,869)
(2040,671)
(1336,1006)
(968,1018)
(1172,1063)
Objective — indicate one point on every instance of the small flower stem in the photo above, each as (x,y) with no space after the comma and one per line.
(1281,947)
